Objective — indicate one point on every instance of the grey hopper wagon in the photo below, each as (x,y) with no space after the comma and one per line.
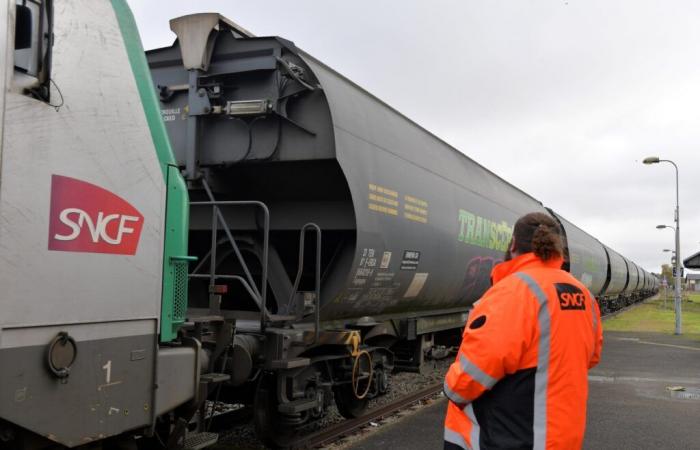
(409,223)
(618,273)
(633,283)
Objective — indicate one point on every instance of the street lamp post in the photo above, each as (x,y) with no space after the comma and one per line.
(677,299)
(666,250)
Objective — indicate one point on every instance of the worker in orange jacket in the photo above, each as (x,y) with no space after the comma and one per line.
(520,379)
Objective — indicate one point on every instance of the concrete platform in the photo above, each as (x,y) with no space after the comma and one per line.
(629,405)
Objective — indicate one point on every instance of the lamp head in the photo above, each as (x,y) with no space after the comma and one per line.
(651,160)
(661,227)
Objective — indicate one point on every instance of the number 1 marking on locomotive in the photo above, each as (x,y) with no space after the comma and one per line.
(108,376)
(108,369)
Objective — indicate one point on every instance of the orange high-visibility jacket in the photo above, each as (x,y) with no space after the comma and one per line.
(520,379)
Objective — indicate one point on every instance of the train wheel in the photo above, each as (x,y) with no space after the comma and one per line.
(351,399)
(270,425)
(349,406)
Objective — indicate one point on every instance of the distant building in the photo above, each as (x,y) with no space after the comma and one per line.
(692,282)
(692,262)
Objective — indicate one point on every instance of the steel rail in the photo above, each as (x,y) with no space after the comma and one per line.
(611,314)
(347,426)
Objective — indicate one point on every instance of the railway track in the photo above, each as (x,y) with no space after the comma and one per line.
(331,433)
(611,314)
(334,432)
(346,427)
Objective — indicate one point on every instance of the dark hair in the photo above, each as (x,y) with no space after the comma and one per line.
(538,233)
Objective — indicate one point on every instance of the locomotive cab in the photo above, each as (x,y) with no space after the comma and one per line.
(85,304)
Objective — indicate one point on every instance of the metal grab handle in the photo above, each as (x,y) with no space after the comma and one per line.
(317,308)
(184,258)
(64,339)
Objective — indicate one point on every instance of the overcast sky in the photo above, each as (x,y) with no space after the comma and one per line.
(563,98)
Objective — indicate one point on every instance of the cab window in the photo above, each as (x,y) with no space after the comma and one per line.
(33,40)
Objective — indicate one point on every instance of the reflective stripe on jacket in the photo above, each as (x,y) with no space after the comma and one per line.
(520,379)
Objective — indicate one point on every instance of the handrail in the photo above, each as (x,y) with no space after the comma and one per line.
(300,271)
(218,217)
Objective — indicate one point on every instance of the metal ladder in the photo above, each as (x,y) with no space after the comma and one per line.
(259,295)
(317,276)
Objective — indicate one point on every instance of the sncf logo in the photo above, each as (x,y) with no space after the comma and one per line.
(570,297)
(87,218)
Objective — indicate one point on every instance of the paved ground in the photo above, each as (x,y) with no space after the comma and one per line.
(629,407)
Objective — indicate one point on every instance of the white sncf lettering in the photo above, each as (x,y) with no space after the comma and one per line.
(75,219)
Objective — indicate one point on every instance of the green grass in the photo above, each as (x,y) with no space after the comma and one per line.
(657,316)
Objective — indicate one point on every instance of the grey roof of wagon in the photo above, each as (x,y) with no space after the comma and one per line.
(413,122)
(585,232)
(568,222)
(243,32)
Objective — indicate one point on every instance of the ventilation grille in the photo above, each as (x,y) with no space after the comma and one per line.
(180,290)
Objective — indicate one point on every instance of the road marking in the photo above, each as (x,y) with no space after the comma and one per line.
(626,379)
(684,347)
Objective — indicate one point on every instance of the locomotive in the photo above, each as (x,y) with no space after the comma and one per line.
(225,219)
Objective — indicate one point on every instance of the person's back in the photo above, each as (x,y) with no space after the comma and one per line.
(520,378)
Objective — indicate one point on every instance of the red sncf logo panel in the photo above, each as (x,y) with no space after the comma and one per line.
(88,218)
